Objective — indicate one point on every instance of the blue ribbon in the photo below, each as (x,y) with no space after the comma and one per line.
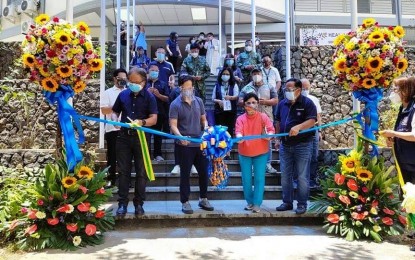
(371,98)
(67,114)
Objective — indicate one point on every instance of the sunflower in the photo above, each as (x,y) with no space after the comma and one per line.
(29,60)
(42,19)
(374,63)
(369,83)
(62,38)
(68,181)
(340,64)
(363,174)
(49,84)
(96,64)
(64,71)
(79,86)
(44,71)
(339,39)
(84,171)
(376,36)
(350,162)
(399,32)
(402,65)
(369,22)
(83,27)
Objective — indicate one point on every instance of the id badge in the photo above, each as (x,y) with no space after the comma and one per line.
(227,105)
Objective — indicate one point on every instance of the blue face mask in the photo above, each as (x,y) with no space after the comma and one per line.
(229,62)
(154,74)
(134,87)
(161,56)
(225,78)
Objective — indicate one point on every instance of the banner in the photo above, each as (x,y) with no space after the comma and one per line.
(319,36)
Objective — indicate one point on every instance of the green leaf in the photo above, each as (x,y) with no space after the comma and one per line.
(350,235)
(80,200)
(375,236)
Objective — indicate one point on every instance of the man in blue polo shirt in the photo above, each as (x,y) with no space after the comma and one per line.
(139,105)
(295,113)
(166,70)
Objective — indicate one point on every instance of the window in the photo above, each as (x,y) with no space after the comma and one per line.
(393,6)
(363,6)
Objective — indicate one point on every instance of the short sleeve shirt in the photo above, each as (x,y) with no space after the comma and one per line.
(271,76)
(265,91)
(316,103)
(164,90)
(107,100)
(165,70)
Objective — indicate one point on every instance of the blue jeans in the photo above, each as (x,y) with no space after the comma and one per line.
(314,158)
(256,195)
(295,160)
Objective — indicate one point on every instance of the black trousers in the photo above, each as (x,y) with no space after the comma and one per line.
(111,138)
(161,125)
(408,172)
(174,60)
(226,118)
(129,148)
(189,156)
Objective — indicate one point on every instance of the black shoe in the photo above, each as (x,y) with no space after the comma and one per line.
(300,210)
(139,210)
(284,207)
(122,210)
(412,248)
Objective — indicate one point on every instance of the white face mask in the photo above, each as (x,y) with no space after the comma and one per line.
(194,54)
(248,48)
(290,95)
(305,92)
(257,78)
(395,98)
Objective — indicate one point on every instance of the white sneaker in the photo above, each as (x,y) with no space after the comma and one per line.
(176,169)
(193,170)
(159,158)
(270,169)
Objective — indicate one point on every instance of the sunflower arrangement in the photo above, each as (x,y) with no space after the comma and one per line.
(65,210)
(370,57)
(360,199)
(56,53)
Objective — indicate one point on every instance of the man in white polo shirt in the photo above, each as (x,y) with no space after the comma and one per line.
(111,132)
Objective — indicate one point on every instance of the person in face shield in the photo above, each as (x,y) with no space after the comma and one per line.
(247,61)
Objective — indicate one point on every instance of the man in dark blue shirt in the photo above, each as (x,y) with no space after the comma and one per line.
(139,105)
(166,70)
(295,113)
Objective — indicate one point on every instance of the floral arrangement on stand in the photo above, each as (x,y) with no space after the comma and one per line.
(65,210)
(409,203)
(360,199)
(60,58)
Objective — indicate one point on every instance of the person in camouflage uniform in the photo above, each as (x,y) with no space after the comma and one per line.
(197,67)
(247,61)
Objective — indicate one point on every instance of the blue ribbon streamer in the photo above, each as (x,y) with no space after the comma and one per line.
(371,98)
(67,116)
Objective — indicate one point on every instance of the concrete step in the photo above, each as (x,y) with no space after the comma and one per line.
(226,213)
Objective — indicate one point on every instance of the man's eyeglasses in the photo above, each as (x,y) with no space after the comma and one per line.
(290,90)
(251,103)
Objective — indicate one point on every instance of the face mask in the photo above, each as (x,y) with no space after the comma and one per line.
(305,92)
(122,83)
(395,98)
(161,56)
(251,109)
(201,37)
(187,93)
(192,41)
(226,78)
(257,78)
(290,95)
(134,87)
(229,62)
(194,54)
(154,74)
(248,48)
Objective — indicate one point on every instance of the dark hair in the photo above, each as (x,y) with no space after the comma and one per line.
(210,34)
(160,47)
(267,55)
(251,95)
(194,46)
(231,79)
(138,71)
(191,38)
(184,78)
(228,57)
(297,82)
(202,33)
(248,41)
(407,88)
(120,70)
(172,34)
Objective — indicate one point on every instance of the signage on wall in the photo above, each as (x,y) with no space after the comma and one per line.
(319,36)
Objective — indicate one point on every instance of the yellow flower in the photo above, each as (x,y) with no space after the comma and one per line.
(402,65)
(369,22)
(62,38)
(350,46)
(92,209)
(374,63)
(85,171)
(339,39)
(95,64)
(79,86)
(385,47)
(55,61)
(44,71)
(350,162)
(40,215)
(76,240)
(49,84)
(340,64)
(373,211)
(88,45)
(363,174)
(42,19)
(68,181)
(83,27)
(368,83)
(330,209)
(29,60)
(376,36)
(399,32)
(353,194)
(64,71)
(377,228)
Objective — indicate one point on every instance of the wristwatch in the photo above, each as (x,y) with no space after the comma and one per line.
(143,122)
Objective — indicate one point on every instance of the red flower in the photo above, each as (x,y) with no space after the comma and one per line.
(50,198)
(339,178)
(362,199)
(90,229)
(72,227)
(344,199)
(83,189)
(387,221)
(65,196)
(30,230)
(100,191)
(100,214)
(391,196)
(388,211)
(53,221)
(333,218)
(84,207)
(377,191)
(32,214)
(390,28)
(375,203)
(14,224)
(331,194)
(402,219)
(23,210)
(39,202)
(56,19)
(63,209)
(352,185)
(358,216)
